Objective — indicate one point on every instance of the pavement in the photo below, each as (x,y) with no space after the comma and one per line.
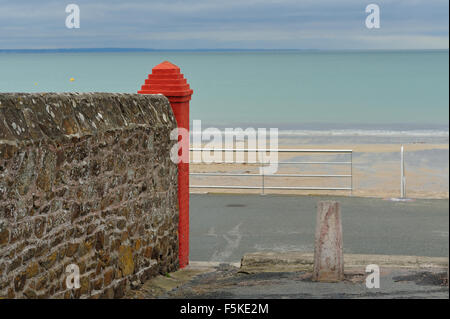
(225,227)
(258,247)
(283,276)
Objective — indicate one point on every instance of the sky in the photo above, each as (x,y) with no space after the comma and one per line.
(225,24)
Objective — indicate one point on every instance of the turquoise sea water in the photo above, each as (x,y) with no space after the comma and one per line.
(292,90)
(314,98)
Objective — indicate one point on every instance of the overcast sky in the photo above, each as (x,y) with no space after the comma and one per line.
(210,24)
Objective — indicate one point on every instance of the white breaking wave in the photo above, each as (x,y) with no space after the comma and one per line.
(352,132)
(412,133)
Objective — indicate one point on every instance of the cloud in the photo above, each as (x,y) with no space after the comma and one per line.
(178,24)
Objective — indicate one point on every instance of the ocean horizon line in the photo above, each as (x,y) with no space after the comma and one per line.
(348,132)
(120,50)
(331,126)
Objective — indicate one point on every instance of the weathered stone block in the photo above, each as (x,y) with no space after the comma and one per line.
(32,270)
(108,277)
(19,281)
(41,282)
(126,262)
(50,260)
(72,248)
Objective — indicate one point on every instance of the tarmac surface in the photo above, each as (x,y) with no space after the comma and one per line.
(224,227)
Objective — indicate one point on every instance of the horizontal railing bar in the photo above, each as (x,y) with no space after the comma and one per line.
(259,163)
(273,187)
(269,150)
(331,163)
(266,175)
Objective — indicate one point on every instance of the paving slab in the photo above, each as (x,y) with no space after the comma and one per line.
(296,261)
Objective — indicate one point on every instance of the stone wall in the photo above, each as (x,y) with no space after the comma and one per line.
(85,179)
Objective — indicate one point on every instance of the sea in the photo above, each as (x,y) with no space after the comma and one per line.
(315,97)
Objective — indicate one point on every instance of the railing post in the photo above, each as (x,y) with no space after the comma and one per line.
(351,173)
(263,183)
(262,173)
(402,173)
(166,79)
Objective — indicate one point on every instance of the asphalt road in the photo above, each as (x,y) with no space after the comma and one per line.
(224,227)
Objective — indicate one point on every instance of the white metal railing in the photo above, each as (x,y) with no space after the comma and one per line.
(262,187)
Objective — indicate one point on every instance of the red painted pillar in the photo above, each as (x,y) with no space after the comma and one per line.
(166,79)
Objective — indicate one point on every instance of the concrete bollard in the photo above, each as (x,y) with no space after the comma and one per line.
(328,253)
(167,79)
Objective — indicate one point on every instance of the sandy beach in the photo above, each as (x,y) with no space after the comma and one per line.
(376,172)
